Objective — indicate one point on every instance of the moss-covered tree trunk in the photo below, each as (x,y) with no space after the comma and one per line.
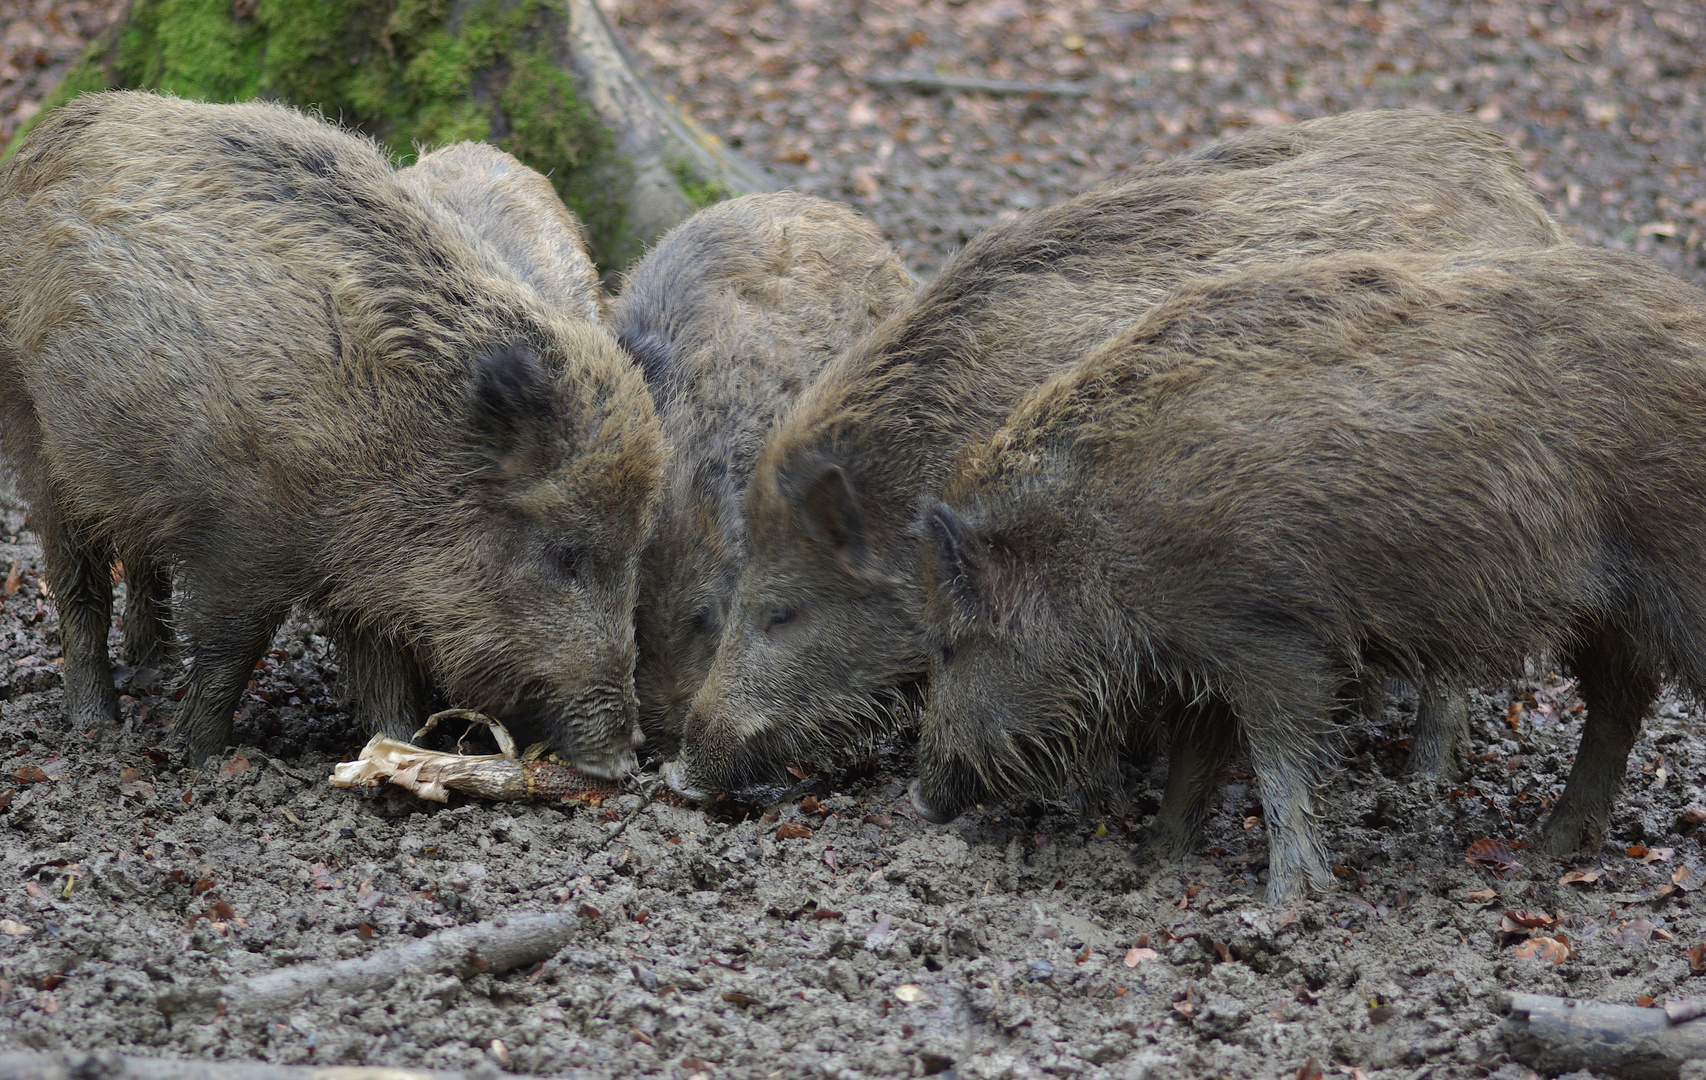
(546,80)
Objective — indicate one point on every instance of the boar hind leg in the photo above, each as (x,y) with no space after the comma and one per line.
(383,681)
(147,613)
(1617,688)
(225,647)
(1197,760)
(80,571)
(1442,729)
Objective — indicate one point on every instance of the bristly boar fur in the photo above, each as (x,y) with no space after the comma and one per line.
(517,211)
(233,344)
(1287,474)
(730,316)
(823,650)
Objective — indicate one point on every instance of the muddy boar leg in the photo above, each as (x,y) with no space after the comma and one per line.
(383,681)
(225,647)
(1291,756)
(1442,729)
(1617,688)
(1367,695)
(147,613)
(1197,760)
(80,572)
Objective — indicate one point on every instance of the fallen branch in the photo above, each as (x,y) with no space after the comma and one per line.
(74,1065)
(1557,1035)
(462,951)
(930,81)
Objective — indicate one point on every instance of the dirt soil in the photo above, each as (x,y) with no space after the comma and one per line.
(837,935)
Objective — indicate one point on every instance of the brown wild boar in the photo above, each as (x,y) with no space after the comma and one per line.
(730,315)
(517,211)
(823,649)
(1285,475)
(232,343)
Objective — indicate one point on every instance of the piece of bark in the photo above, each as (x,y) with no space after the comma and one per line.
(1555,1035)
(75,1065)
(493,947)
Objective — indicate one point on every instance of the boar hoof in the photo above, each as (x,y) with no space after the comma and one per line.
(925,810)
(1566,834)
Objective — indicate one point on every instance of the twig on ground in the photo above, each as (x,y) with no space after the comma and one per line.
(930,81)
(1557,1035)
(75,1065)
(647,795)
(491,947)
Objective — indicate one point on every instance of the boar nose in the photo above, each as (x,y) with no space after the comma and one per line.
(608,766)
(926,810)
(675,775)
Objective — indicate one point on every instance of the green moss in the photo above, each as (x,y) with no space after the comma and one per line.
(699,191)
(411,73)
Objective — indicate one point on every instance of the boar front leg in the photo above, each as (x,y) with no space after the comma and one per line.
(384,682)
(1617,688)
(225,644)
(1291,754)
(79,568)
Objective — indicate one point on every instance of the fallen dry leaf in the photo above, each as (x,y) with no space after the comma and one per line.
(15,929)
(911,993)
(1553,950)
(1580,877)
(1696,958)
(789,830)
(1493,856)
(1658,854)
(1483,896)
(1134,957)
(14,577)
(234,766)
(1514,921)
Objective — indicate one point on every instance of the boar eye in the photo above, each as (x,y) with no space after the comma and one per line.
(705,620)
(567,564)
(945,654)
(777,616)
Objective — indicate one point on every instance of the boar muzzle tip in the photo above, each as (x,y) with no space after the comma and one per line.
(925,810)
(675,775)
(609,766)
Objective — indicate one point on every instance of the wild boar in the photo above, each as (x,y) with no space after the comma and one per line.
(823,650)
(1286,475)
(517,211)
(730,315)
(231,342)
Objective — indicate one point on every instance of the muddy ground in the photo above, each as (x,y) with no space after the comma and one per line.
(1014,943)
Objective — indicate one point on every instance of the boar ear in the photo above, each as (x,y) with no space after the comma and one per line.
(513,410)
(962,560)
(832,514)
